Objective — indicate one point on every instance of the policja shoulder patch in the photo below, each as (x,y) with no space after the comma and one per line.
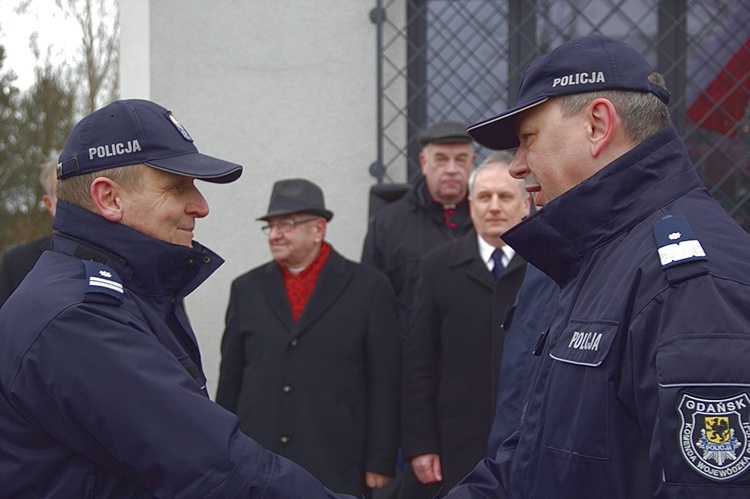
(103,285)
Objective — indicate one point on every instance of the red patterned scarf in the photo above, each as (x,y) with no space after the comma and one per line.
(300,286)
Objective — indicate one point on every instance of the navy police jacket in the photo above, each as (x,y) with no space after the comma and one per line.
(530,315)
(644,387)
(101,387)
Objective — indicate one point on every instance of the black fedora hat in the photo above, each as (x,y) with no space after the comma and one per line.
(296,195)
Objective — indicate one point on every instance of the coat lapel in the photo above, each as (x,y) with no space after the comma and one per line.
(466,253)
(517,262)
(333,279)
(275,294)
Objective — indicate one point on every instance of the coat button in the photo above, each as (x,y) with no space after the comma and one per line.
(284,440)
(293,343)
(287,389)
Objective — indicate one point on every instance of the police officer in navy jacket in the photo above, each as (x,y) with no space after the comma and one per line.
(102,393)
(644,384)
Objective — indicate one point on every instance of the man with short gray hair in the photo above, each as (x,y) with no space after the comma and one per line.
(454,343)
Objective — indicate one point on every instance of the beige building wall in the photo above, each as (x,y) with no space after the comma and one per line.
(287,88)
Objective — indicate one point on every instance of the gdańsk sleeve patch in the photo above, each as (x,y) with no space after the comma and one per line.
(714,435)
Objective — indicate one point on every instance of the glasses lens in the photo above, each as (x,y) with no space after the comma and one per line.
(286,226)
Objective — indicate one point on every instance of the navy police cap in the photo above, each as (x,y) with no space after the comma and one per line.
(133,131)
(585,64)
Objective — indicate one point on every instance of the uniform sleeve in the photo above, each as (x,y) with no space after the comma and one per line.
(420,373)
(383,380)
(232,357)
(686,379)
(490,477)
(485,481)
(103,386)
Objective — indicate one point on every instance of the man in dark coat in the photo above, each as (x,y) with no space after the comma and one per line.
(454,343)
(19,260)
(310,354)
(435,211)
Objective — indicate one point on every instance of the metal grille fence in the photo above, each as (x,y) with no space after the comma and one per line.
(462,60)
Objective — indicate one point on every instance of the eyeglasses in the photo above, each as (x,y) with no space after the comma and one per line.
(285,226)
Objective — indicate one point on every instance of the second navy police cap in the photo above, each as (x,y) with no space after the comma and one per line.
(586,64)
(133,131)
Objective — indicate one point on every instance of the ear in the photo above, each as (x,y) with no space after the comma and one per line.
(471,207)
(527,205)
(319,226)
(106,198)
(49,203)
(422,160)
(601,125)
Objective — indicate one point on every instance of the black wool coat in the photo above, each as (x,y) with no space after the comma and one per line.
(18,261)
(324,391)
(403,232)
(452,353)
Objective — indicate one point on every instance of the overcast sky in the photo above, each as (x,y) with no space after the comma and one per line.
(60,34)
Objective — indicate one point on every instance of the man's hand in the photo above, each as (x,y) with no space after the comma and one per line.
(375,480)
(427,468)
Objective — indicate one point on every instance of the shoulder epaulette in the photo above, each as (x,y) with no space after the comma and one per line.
(102,284)
(677,245)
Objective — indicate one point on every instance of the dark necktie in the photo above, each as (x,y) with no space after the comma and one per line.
(497,257)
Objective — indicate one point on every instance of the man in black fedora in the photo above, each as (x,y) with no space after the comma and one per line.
(310,353)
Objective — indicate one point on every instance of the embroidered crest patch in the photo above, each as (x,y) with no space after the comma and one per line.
(714,435)
(179,127)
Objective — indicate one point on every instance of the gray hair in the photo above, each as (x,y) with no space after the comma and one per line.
(642,113)
(77,189)
(48,175)
(495,158)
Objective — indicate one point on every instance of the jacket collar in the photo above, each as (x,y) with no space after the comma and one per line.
(146,265)
(464,252)
(615,199)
